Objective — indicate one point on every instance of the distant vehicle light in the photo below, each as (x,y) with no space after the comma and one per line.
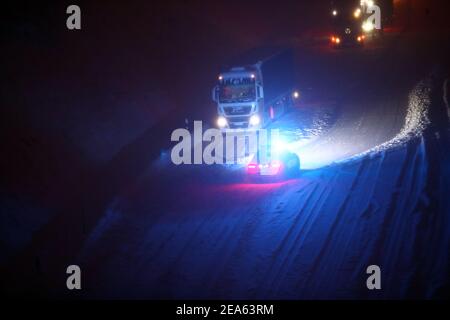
(367,26)
(254,120)
(220,78)
(359,39)
(334,12)
(357,13)
(296,94)
(222,122)
(338,40)
(367,3)
(252,76)
(333,39)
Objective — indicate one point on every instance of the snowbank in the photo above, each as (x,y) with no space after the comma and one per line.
(416,120)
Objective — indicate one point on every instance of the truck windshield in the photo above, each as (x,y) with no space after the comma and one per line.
(237,91)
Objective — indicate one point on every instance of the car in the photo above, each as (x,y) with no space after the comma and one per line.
(347,30)
(348,37)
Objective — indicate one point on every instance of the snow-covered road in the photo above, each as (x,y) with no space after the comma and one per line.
(306,238)
(204,233)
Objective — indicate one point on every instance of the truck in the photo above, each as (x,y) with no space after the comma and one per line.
(256,90)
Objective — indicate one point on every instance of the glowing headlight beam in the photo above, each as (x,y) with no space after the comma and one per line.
(222,122)
(254,120)
(367,26)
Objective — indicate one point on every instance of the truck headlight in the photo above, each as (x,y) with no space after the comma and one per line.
(222,122)
(254,120)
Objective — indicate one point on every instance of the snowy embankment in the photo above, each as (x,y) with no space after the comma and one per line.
(416,120)
(306,123)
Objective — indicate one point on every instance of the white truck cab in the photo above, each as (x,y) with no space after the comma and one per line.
(240,98)
(251,95)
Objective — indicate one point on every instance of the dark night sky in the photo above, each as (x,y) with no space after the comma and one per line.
(147,43)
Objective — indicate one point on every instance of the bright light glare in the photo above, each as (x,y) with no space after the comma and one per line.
(367,3)
(338,40)
(357,13)
(334,13)
(222,122)
(279,145)
(367,26)
(276,164)
(254,120)
(296,94)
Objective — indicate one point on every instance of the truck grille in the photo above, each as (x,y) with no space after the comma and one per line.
(236,111)
(238,122)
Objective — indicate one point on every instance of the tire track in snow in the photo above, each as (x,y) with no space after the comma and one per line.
(343,251)
(281,255)
(258,240)
(302,233)
(332,229)
(229,245)
(394,236)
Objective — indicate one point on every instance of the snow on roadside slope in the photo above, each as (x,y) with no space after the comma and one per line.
(416,120)
(306,124)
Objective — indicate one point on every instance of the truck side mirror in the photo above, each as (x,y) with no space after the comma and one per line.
(259,92)
(214,93)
